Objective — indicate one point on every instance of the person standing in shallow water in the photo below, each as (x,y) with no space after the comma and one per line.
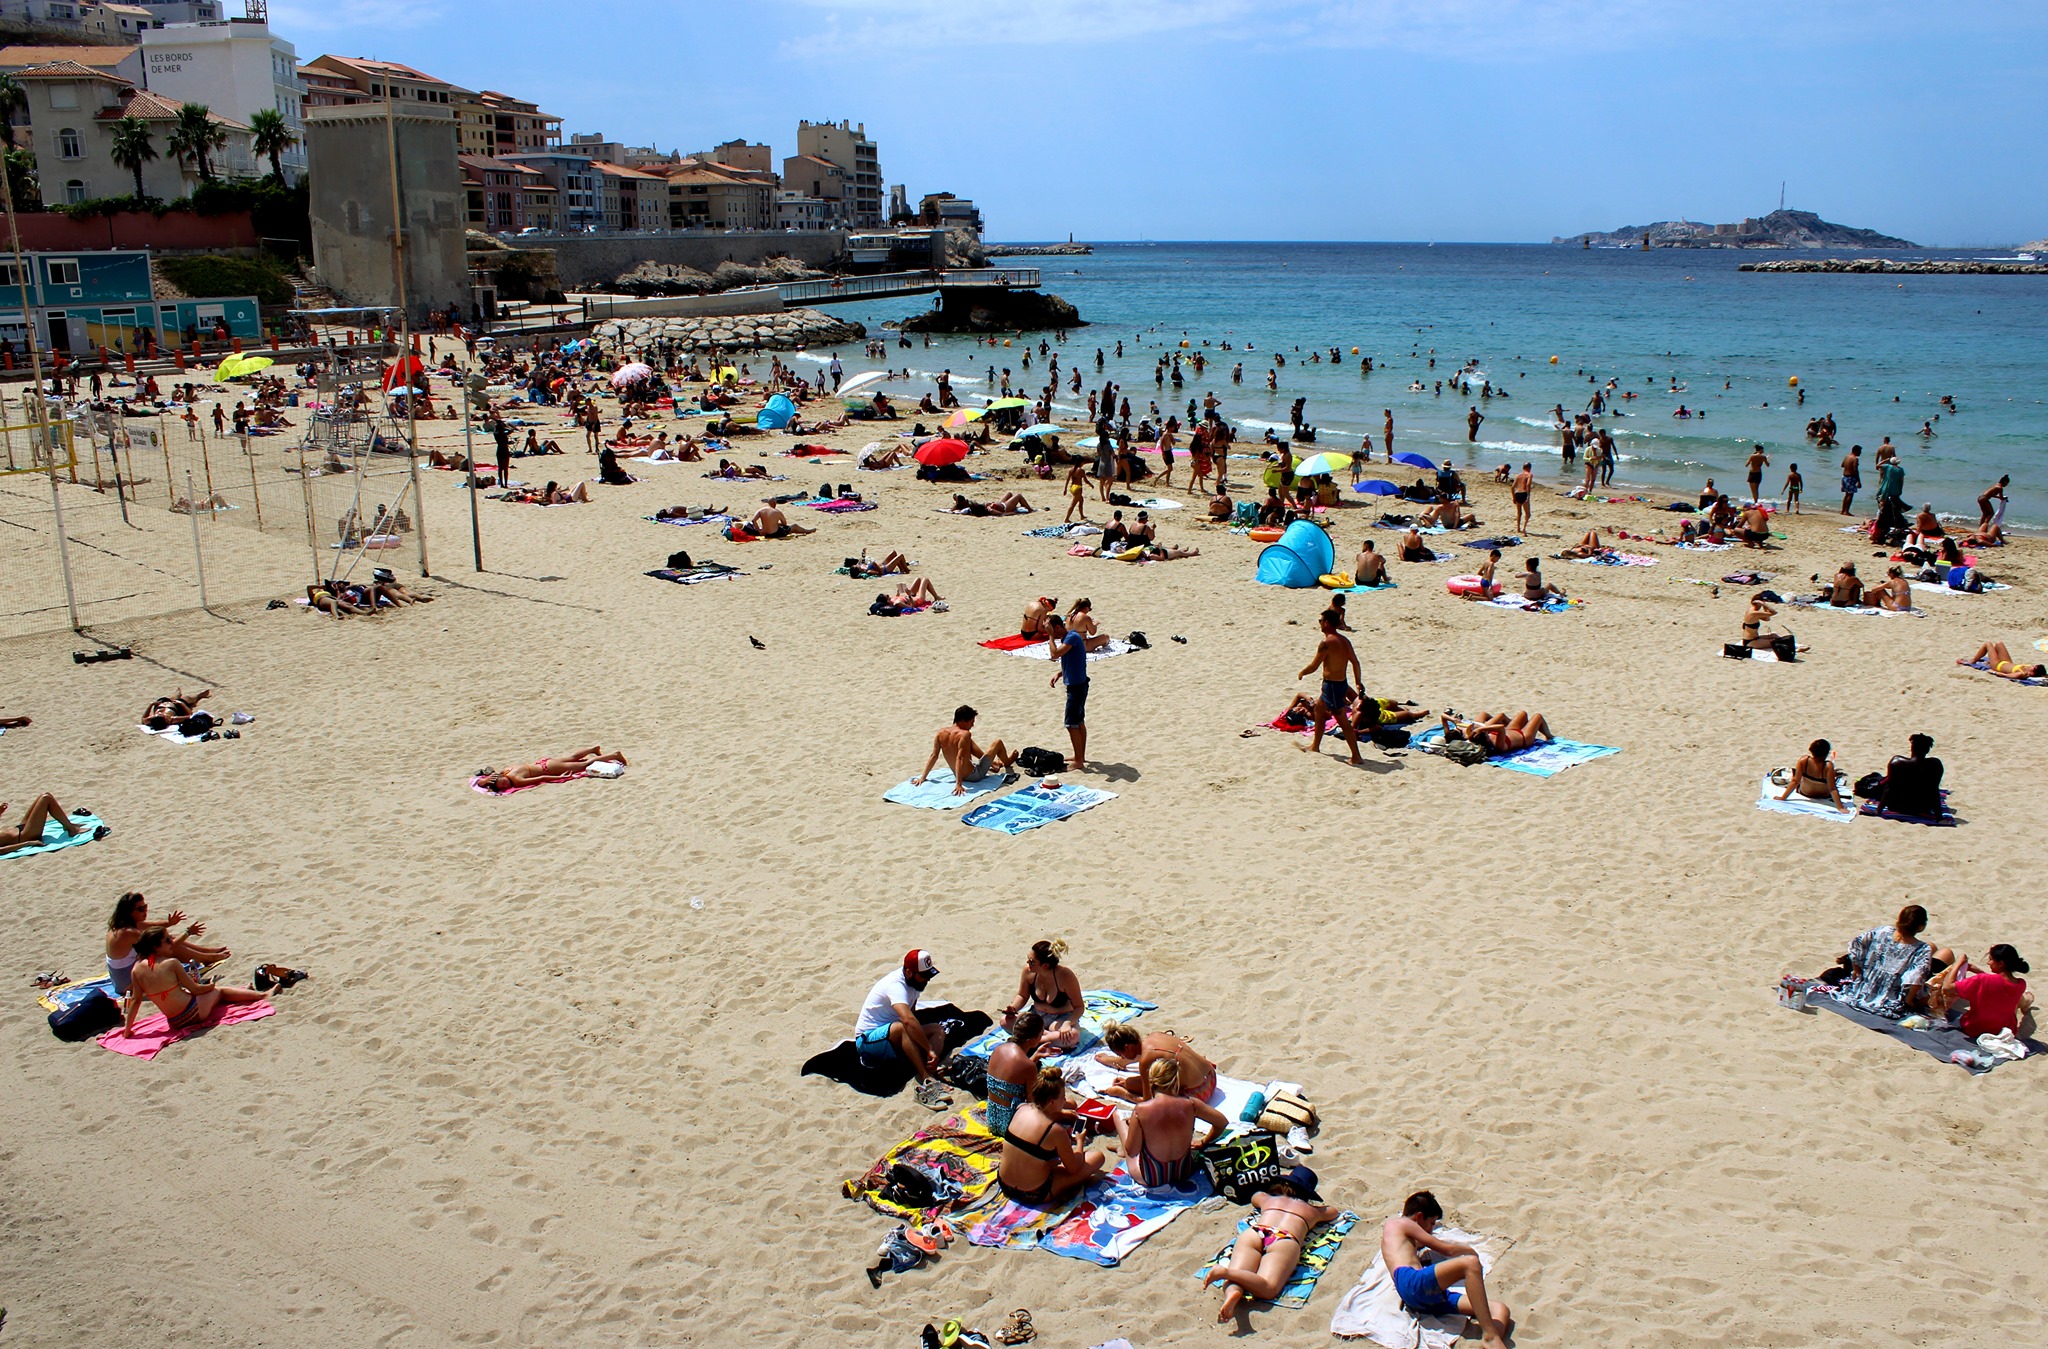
(1852,476)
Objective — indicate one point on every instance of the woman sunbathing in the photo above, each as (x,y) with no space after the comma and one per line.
(1997,660)
(688,512)
(882,456)
(185,1002)
(1081,619)
(1267,1252)
(1815,777)
(916,593)
(131,919)
(1588,546)
(891,563)
(1497,733)
(1753,635)
(1126,1049)
(560,768)
(1009,503)
(39,813)
(554,494)
(1040,1166)
(1894,594)
(167,712)
(1164,553)
(1052,990)
(341,601)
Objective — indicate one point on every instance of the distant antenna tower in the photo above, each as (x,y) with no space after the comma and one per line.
(1781,181)
(258,10)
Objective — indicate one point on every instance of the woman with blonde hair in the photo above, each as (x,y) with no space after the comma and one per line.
(1053,991)
(1158,1137)
(1127,1049)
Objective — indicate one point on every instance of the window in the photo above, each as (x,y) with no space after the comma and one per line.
(64,96)
(10,279)
(74,193)
(64,271)
(69,145)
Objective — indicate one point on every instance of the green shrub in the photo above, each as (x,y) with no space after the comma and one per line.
(212,274)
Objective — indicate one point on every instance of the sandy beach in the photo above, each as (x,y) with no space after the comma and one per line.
(542,1087)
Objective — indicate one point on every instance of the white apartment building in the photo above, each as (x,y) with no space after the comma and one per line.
(235,67)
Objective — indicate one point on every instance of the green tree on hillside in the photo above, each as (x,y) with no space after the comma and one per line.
(133,147)
(272,138)
(194,138)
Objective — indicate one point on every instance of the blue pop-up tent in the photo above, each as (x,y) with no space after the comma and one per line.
(779,413)
(1299,560)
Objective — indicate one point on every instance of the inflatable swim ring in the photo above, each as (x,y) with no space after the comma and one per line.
(1469,585)
(1266,534)
(1334,580)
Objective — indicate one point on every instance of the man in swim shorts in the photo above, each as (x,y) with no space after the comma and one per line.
(1369,568)
(1337,658)
(968,761)
(1425,1289)
(888,1031)
(1523,483)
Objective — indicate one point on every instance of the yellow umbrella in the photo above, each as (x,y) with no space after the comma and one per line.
(964,416)
(1002,403)
(229,368)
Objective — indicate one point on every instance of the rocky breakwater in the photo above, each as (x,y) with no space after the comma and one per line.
(965,309)
(1890,267)
(1038,250)
(790,330)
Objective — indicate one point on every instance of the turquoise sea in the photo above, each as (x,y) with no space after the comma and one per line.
(1876,352)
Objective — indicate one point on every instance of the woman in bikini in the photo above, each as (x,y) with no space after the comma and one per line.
(1498,733)
(558,769)
(1053,991)
(1126,1049)
(1081,619)
(1158,1136)
(1267,1251)
(1041,1167)
(167,712)
(1998,660)
(185,1002)
(1814,777)
(30,831)
(131,919)
(1753,634)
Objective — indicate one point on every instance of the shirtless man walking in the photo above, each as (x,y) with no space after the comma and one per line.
(1524,483)
(1337,658)
(967,760)
(1758,462)
(1423,1289)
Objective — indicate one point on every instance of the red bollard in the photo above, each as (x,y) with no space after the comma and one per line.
(128,360)
(238,345)
(273,339)
(178,355)
(9,357)
(415,344)
(351,338)
(105,357)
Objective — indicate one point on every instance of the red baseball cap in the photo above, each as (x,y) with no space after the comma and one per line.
(919,964)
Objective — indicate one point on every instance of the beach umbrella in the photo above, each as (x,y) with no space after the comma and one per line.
(634,372)
(229,368)
(1378,487)
(939,453)
(1316,465)
(251,364)
(964,416)
(1042,429)
(862,381)
(1001,403)
(1414,460)
(401,374)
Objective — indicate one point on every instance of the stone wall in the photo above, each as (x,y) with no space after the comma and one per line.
(593,261)
(349,166)
(791,330)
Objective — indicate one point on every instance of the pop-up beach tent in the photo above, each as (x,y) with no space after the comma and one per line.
(1299,560)
(779,413)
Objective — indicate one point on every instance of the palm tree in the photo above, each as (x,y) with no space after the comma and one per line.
(22,181)
(194,138)
(270,137)
(13,98)
(133,148)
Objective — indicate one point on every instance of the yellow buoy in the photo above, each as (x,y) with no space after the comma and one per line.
(1183,342)
(1006,341)
(1794,381)
(1354,351)
(1553,360)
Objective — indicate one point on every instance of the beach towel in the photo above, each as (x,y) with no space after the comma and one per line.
(1811,606)
(841,1063)
(1116,1214)
(1949,819)
(1098,1005)
(1030,650)
(1795,804)
(63,997)
(937,791)
(1937,588)
(170,735)
(476,785)
(1704,547)
(697,575)
(1013,1226)
(958,1151)
(1158,504)
(692,520)
(1544,760)
(1371,1308)
(1939,1040)
(1553,605)
(1330,726)
(1986,666)
(1013,642)
(1034,806)
(1323,1242)
(1486,545)
(1061,531)
(1612,559)
(1369,590)
(841,506)
(153,1035)
(90,830)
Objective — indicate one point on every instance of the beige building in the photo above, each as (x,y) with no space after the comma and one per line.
(123,63)
(709,196)
(505,198)
(499,124)
(820,179)
(71,114)
(634,199)
(847,146)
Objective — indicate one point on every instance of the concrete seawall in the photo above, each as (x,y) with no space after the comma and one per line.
(592,261)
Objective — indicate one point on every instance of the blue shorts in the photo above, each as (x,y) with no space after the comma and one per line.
(1077,704)
(1336,695)
(1420,1292)
(874,1047)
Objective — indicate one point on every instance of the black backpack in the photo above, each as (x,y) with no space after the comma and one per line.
(85,1018)
(679,561)
(1038,762)
(1390,737)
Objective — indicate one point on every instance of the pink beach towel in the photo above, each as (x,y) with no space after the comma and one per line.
(153,1035)
(1013,642)
(481,791)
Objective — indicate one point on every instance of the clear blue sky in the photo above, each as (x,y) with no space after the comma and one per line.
(1307,119)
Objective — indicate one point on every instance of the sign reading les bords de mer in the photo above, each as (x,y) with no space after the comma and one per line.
(168,63)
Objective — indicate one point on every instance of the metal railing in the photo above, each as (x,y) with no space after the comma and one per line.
(905,283)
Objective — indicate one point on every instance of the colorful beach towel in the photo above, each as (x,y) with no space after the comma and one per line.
(937,791)
(1013,642)
(1553,605)
(1036,805)
(1795,804)
(90,830)
(1031,650)
(1098,1005)
(1949,819)
(1544,760)
(840,506)
(692,520)
(697,575)
(1323,1243)
(957,1153)
(1986,666)
(1115,1216)
(1939,1041)
(476,785)
(63,997)
(153,1035)
(1704,547)
(1369,590)
(1810,606)
(1013,1226)
(1372,1309)
(1613,559)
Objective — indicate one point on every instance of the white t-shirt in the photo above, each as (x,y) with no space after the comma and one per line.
(880,1008)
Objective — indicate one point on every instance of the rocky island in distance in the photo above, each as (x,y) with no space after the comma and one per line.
(1780,229)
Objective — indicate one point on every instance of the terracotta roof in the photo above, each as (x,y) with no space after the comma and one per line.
(152,108)
(13,58)
(67,70)
(606,166)
(495,165)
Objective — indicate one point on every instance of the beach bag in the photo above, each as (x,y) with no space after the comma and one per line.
(1464,752)
(679,561)
(1735,651)
(85,1018)
(1038,762)
(1390,737)
(1869,785)
(1243,1166)
(1785,647)
(199,723)
(1287,1110)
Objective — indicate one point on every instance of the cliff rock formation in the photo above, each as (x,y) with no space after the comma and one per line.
(1779,229)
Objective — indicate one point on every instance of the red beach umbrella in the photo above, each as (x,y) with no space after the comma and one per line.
(939,453)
